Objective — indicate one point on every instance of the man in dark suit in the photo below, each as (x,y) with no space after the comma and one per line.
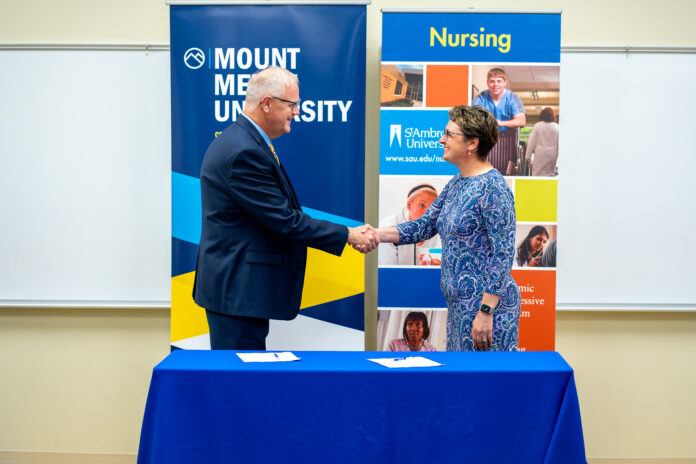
(253,248)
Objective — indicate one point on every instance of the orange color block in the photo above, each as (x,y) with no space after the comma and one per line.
(538,317)
(446,85)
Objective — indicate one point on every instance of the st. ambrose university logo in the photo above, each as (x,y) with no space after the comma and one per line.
(395,133)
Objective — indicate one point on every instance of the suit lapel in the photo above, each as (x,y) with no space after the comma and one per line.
(282,176)
(291,190)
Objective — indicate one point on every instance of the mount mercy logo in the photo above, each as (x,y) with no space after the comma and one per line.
(194,58)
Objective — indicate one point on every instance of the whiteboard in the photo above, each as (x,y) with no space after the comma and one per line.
(626,190)
(85,179)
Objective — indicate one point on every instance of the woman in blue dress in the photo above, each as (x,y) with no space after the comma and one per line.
(475,217)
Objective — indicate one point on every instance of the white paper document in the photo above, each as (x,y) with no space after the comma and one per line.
(408,361)
(268,357)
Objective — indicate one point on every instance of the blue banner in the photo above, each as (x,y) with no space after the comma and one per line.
(471,37)
(214,52)
(410,288)
(508,63)
(409,143)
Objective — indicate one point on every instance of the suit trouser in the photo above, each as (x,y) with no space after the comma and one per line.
(236,332)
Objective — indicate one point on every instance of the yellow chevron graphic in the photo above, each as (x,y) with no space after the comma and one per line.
(188,319)
(330,278)
(327,278)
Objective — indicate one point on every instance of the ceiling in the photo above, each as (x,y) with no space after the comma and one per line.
(537,87)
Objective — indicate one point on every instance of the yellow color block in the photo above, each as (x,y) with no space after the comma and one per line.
(536,200)
(188,319)
(327,278)
(330,278)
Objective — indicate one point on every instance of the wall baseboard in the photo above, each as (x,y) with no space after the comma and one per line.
(44,457)
(47,457)
(641,460)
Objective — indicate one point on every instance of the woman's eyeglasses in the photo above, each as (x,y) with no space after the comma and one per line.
(449,134)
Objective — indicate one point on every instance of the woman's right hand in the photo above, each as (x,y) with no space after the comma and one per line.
(535,262)
(388,234)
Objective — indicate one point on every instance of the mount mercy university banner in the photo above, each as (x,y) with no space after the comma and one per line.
(214,51)
(432,61)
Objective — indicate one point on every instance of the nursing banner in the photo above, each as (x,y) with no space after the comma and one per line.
(432,61)
(214,51)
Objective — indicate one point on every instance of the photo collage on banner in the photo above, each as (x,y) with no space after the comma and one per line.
(215,49)
(508,63)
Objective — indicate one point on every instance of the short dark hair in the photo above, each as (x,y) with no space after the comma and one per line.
(476,122)
(547,115)
(417,316)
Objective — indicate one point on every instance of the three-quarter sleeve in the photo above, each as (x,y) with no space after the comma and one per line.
(498,210)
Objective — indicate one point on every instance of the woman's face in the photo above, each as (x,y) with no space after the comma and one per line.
(537,243)
(414,330)
(455,145)
(419,204)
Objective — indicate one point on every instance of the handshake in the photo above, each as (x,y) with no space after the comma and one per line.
(364,238)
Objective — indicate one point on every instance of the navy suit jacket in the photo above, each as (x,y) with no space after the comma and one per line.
(253,249)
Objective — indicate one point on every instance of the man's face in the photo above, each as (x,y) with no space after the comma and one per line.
(281,112)
(496,86)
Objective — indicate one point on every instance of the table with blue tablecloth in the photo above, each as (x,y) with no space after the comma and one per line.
(338,407)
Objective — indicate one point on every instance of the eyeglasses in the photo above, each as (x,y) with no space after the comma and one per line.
(293,104)
(449,134)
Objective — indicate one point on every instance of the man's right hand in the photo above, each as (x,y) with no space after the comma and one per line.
(363,238)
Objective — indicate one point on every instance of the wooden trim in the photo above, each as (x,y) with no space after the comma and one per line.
(641,460)
(45,457)
(49,457)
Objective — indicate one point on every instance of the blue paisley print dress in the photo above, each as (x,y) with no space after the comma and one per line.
(475,217)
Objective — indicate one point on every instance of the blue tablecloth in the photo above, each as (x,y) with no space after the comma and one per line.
(338,407)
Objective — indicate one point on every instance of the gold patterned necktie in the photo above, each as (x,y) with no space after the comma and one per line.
(274,154)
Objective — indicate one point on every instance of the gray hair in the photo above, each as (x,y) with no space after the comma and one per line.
(270,81)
